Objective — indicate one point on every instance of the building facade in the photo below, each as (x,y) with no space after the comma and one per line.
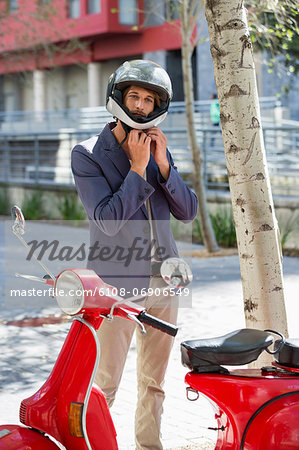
(58,54)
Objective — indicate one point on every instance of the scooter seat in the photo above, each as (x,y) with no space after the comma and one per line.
(236,348)
(289,354)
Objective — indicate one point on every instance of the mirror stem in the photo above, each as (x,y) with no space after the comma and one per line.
(43,266)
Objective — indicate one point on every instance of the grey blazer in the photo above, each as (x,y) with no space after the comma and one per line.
(114,200)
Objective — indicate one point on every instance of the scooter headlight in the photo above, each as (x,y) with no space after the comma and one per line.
(69,292)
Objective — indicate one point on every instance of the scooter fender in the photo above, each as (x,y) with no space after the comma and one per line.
(15,437)
(71,384)
(254,411)
(275,425)
(97,426)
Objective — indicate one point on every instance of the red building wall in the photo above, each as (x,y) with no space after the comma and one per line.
(43,36)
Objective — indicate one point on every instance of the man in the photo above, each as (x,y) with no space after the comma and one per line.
(129,185)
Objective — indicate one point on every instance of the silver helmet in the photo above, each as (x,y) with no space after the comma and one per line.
(144,73)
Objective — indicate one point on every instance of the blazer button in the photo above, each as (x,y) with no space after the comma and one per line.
(141,197)
(173,191)
(169,186)
(147,190)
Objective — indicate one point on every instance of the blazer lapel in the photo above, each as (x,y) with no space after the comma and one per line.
(111,149)
(120,160)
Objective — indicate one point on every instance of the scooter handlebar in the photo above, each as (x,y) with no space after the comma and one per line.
(157,323)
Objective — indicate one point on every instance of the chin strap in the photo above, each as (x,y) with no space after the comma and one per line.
(127,130)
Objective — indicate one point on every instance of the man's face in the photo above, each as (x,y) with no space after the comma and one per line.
(139,101)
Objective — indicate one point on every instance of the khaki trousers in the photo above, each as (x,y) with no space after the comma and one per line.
(153,350)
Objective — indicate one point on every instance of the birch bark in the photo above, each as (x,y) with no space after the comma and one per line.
(256,225)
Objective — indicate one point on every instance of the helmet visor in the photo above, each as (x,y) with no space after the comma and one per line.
(145,74)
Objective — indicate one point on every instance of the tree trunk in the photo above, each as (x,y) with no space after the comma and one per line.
(256,226)
(197,175)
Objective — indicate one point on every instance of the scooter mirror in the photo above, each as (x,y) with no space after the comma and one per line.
(176,272)
(18,226)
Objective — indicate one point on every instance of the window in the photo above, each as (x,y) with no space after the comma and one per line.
(172,10)
(13,5)
(93,6)
(43,3)
(74,9)
(174,69)
(128,12)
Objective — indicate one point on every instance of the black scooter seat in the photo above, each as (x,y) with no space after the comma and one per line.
(236,348)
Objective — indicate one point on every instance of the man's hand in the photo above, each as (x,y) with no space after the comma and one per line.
(139,149)
(158,150)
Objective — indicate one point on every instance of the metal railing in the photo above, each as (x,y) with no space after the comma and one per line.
(43,158)
(89,118)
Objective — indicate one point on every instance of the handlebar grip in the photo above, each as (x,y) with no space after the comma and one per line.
(157,323)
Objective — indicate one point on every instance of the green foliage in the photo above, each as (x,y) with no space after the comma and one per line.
(225,233)
(274,26)
(197,234)
(287,227)
(33,206)
(70,207)
(4,202)
(223,225)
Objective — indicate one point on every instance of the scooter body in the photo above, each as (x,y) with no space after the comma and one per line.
(68,407)
(16,437)
(255,409)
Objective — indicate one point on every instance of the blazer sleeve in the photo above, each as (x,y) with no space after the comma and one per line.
(110,210)
(182,200)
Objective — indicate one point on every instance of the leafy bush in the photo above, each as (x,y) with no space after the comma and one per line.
(4,202)
(287,227)
(225,233)
(197,235)
(223,225)
(70,207)
(33,206)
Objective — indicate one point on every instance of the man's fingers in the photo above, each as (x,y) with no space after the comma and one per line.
(143,138)
(137,135)
(155,133)
(133,136)
(137,139)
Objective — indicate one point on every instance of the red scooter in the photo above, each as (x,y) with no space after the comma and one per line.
(256,409)
(69,407)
